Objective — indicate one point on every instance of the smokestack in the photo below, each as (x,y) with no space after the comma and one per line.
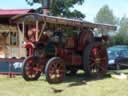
(46,11)
(46,6)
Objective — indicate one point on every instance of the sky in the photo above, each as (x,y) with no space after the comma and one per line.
(89,7)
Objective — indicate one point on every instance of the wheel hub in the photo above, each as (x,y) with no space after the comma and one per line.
(31,68)
(98,61)
(55,70)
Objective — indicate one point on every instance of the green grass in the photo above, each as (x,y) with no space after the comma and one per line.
(71,87)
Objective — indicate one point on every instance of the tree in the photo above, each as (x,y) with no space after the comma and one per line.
(122,35)
(123,30)
(64,8)
(105,15)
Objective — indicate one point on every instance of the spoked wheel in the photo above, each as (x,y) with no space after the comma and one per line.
(95,60)
(55,70)
(31,68)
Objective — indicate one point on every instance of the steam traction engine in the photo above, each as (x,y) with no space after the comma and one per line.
(56,54)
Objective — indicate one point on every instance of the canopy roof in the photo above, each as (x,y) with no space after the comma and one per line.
(33,17)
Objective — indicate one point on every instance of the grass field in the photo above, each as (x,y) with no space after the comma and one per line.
(72,86)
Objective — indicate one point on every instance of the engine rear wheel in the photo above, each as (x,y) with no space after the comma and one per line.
(31,68)
(95,60)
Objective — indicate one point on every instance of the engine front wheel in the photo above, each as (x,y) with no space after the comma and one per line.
(31,68)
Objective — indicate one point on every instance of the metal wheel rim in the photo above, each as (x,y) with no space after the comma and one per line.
(98,60)
(56,70)
(32,68)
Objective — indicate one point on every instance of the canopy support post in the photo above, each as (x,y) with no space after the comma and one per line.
(21,40)
(37,30)
(43,27)
(23,29)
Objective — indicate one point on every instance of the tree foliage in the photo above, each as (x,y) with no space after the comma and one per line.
(123,30)
(105,15)
(122,36)
(64,8)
